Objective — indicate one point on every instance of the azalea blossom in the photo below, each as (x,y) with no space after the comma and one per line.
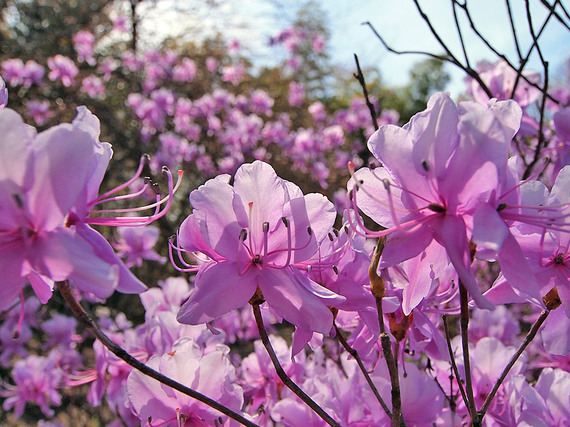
(41,177)
(251,238)
(211,374)
(436,171)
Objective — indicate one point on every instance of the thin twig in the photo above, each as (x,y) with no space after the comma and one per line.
(281,372)
(378,289)
(397,416)
(529,337)
(541,141)
(356,357)
(464,316)
(551,7)
(91,326)
(499,54)
(459,33)
(452,360)
(513,30)
(360,77)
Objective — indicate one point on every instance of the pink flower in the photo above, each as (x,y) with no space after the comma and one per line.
(211,374)
(212,64)
(13,71)
(318,44)
(36,381)
(255,233)
(3,94)
(83,42)
(93,86)
(296,94)
(42,176)
(136,243)
(437,170)
(185,72)
(33,73)
(120,24)
(39,111)
(62,68)
(233,73)
(500,79)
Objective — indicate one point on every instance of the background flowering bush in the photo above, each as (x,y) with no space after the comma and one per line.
(468,194)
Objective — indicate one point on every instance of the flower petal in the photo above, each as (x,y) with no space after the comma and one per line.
(219,289)
(451,234)
(298,300)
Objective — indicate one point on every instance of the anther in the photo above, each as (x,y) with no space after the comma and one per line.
(18,200)
(266,227)
(156,188)
(386,184)
(436,208)
(501,207)
(559,259)
(310,231)
(285,221)
(335,269)
(425,166)
(243,234)
(335,231)
(331,238)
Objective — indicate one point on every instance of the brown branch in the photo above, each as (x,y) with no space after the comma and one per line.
(360,77)
(530,336)
(281,372)
(452,360)
(464,316)
(356,357)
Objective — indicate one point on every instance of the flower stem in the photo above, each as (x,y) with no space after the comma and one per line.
(452,359)
(464,316)
(530,336)
(378,289)
(91,326)
(281,373)
(354,354)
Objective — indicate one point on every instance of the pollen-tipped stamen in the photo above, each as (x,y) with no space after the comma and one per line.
(141,220)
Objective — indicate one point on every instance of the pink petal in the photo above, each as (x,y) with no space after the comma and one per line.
(213,204)
(147,396)
(61,159)
(403,246)
(450,233)
(517,271)
(434,132)
(43,287)
(261,193)
(12,259)
(373,200)
(489,229)
(393,146)
(67,255)
(126,282)
(219,289)
(293,297)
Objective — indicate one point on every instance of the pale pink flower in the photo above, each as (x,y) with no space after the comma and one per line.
(256,232)
(211,374)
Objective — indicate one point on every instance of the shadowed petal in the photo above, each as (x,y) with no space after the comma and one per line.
(298,300)
(451,234)
(219,289)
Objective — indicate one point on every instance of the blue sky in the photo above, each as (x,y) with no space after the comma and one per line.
(401,26)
